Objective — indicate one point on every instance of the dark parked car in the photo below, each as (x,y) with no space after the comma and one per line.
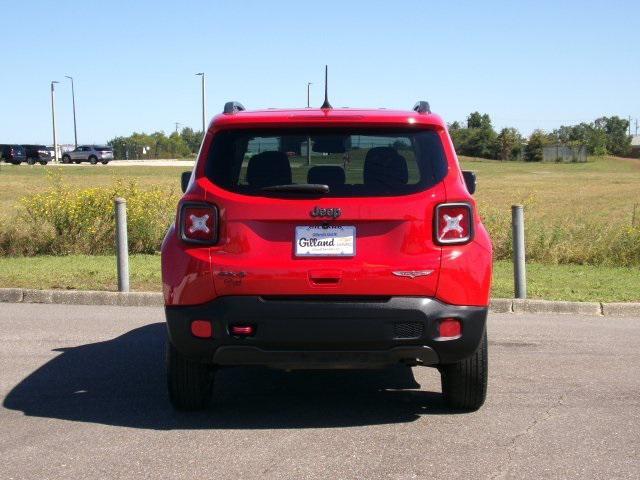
(37,153)
(13,154)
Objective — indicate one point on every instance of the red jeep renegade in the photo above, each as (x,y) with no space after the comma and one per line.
(327,238)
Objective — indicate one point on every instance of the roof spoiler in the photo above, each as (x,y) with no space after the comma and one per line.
(233,107)
(422,107)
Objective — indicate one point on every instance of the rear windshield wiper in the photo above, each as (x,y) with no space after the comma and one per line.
(310,188)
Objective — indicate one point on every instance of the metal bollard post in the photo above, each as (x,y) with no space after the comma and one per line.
(519,271)
(122,244)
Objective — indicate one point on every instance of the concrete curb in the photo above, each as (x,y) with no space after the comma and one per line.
(154,299)
(501,305)
(81,297)
(545,306)
(621,309)
(11,295)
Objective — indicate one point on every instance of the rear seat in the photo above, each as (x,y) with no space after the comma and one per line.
(332,176)
(383,166)
(267,169)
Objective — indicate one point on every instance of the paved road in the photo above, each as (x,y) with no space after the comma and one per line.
(83,397)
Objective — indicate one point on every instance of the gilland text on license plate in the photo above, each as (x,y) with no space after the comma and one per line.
(321,241)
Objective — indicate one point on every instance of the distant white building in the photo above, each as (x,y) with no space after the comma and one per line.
(564,153)
(635,146)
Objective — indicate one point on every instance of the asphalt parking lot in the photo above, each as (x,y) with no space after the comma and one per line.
(83,396)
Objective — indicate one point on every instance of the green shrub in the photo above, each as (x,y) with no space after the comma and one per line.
(63,220)
(567,242)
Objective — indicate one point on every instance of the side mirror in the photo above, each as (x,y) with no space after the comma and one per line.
(184,180)
(470,180)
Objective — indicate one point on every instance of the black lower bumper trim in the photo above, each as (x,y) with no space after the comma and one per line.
(318,332)
(312,359)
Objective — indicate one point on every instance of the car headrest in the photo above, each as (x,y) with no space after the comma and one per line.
(326,175)
(269,168)
(385,166)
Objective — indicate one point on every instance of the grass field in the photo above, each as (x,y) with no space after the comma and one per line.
(604,189)
(16,182)
(555,282)
(600,193)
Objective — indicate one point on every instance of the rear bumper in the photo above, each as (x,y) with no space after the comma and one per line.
(326,332)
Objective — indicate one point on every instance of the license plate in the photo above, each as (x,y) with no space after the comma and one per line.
(329,241)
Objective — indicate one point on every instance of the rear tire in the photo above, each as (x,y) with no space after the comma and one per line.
(42,162)
(31,161)
(66,159)
(190,383)
(104,162)
(464,383)
(93,160)
(78,162)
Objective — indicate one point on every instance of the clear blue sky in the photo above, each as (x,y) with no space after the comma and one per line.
(539,64)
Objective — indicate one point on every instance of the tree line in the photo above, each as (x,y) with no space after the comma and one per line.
(605,135)
(157,145)
(478,138)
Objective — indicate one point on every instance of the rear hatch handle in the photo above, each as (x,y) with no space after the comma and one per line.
(325,277)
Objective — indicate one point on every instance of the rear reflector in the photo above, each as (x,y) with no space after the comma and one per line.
(450,328)
(199,223)
(242,330)
(453,223)
(201,329)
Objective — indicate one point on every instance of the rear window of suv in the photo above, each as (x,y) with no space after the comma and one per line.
(350,162)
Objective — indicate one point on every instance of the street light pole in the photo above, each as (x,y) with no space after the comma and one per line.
(73,99)
(309,138)
(204,113)
(53,121)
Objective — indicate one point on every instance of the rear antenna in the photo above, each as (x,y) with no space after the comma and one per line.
(326,103)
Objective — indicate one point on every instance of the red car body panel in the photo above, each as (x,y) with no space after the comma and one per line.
(254,254)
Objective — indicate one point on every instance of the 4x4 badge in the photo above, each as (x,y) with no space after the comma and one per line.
(412,273)
(325,212)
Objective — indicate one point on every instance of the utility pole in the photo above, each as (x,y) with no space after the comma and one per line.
(308,94)
(629,125)
(53,121)
(636,126)
(73,99)
(204,113)
(177,125)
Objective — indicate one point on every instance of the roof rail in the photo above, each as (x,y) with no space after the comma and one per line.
(233,107)
(422,107)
